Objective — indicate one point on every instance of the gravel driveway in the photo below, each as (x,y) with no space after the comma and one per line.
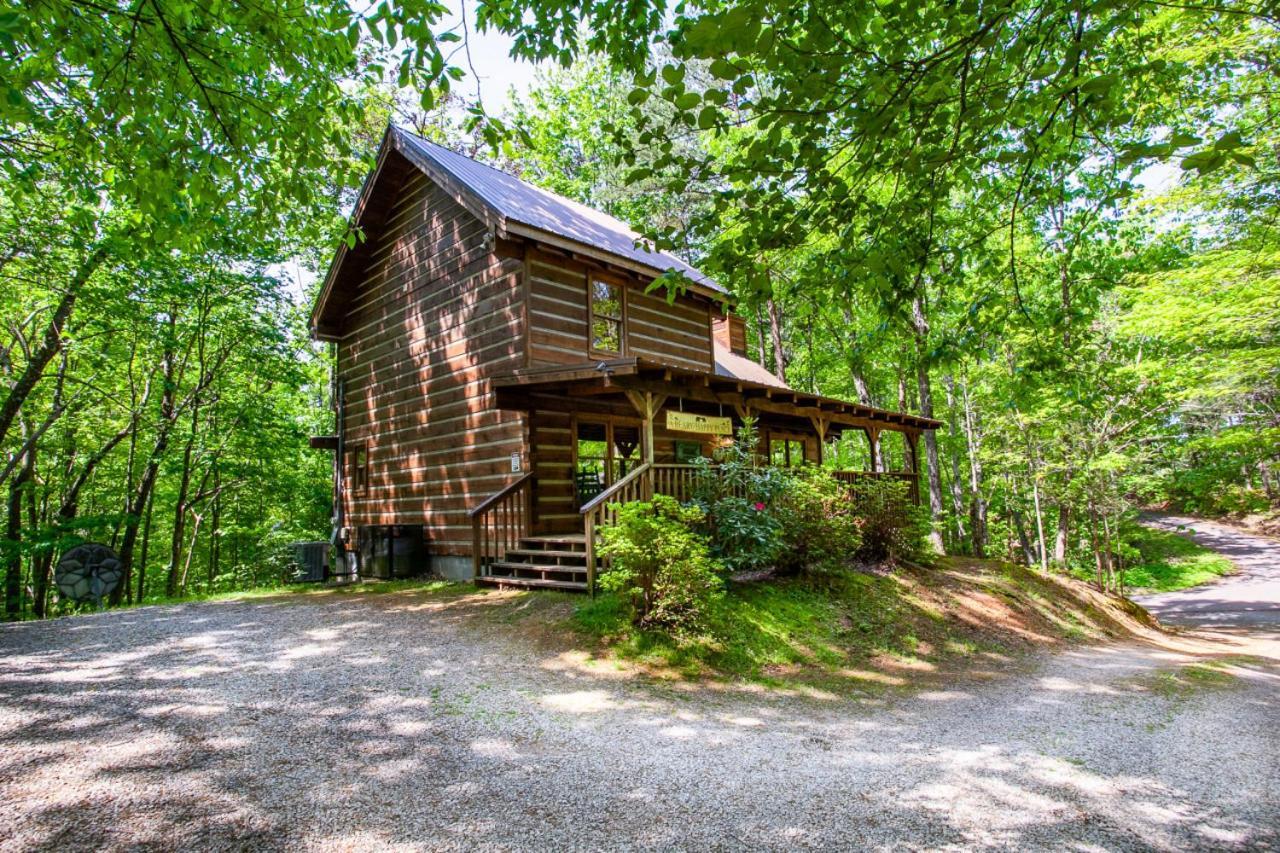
(1248,599)
(403,721)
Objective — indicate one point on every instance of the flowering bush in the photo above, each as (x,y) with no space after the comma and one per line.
(735,494)
(820,529)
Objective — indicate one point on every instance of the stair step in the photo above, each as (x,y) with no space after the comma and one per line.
(537,583)
(537,554)
(576,544)
(544,568)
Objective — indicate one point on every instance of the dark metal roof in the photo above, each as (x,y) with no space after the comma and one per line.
(517,201)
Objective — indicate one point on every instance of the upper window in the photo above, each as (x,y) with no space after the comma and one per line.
(606,317)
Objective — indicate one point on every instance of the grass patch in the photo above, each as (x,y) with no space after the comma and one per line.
(858,629)
(1185,682)
(426,585)
(1171,561)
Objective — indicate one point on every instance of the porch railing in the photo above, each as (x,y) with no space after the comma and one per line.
(909,477)
(678,481)
(499,522)
(601,511)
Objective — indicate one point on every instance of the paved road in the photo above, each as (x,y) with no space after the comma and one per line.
(399,722)
(1249,599)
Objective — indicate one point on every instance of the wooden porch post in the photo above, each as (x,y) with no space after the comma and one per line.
(648,404)
(913,439)
(820,427)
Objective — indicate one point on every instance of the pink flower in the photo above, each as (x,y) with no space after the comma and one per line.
(759,506)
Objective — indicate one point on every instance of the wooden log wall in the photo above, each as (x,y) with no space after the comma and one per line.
(436,314)
(678,334)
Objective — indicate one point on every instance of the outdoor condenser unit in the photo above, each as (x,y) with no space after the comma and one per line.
(311,562)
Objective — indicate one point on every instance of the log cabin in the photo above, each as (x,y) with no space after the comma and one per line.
(504,373)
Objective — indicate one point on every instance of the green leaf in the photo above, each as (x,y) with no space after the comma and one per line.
(1203,162)
(724,69)
(1229,140)
(1099,85)
(1045,71)
(637,96)
(688,101)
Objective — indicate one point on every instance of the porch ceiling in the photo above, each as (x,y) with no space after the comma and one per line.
(620,375)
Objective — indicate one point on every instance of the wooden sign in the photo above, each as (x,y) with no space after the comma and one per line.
(708,424)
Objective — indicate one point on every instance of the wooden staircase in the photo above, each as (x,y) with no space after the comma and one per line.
(542,562)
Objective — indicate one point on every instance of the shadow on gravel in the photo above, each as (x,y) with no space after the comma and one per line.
(403,719)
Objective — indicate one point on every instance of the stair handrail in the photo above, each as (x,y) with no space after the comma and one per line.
(594,511)
(609,493)
(500,494)
(500,504)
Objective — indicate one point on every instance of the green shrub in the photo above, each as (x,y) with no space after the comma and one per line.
(820,529)
(893,527)
(660,565)
(743,535)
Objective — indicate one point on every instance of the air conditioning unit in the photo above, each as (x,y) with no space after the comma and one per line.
(311,561)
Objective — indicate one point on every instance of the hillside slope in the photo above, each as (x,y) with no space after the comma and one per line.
(865,629)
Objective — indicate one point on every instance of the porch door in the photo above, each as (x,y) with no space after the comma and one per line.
(605,451)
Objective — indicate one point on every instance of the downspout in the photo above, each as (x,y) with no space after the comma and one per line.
(337,537)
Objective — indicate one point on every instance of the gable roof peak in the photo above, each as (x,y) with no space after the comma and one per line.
(530,210)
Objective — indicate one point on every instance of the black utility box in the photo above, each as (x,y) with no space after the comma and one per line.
(311,562)
(392,551)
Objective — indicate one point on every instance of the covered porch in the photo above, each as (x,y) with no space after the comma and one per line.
(625,429)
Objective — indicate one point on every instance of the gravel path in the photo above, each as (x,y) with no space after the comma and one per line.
(406,722)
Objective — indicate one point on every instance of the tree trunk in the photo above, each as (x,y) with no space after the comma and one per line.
(141,501)
(977,505)
(1062,539)
(142,496)
(957,495)
(860,385)
(40,585)
(775,335)
(764,349)
(857,369)
(13,537)
(1035,497)
(180,507)
(146,545)
(50,344)
(191,550)
(921,327)
(1024,542)
(1113,581)
(1093,545)
(214,523)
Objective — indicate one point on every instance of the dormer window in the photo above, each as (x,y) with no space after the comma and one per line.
(606,317)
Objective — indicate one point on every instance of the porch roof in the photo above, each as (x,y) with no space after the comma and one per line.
(620,375)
